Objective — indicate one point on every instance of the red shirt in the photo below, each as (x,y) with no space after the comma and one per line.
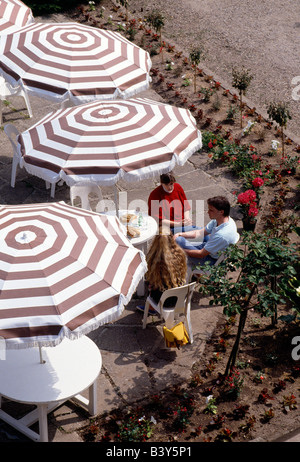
(170,206)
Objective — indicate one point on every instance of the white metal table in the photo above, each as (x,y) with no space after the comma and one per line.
(148,230)
(69,368)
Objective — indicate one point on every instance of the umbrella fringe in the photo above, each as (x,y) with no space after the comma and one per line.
(40,173)
(129,178)
(84,330)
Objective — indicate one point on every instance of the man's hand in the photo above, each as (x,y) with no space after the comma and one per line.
(187,222)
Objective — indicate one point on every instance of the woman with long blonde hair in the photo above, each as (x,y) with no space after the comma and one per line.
(167,266)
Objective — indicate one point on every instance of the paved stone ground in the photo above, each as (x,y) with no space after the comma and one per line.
(135,361)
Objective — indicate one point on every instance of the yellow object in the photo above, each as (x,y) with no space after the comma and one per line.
(177,336)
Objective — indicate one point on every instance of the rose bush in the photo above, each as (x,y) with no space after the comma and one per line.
(248,203)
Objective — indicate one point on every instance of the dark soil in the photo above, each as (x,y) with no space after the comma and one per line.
(265,409)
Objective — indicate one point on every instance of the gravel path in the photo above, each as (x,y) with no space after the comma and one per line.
(263,36)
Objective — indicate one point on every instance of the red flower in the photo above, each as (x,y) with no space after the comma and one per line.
(210,145)
(253,211)
(247,197)
(247,200)
(257,182)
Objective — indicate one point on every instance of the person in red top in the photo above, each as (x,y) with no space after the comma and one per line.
(169,206)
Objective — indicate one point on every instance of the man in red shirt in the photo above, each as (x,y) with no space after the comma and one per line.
(169,206)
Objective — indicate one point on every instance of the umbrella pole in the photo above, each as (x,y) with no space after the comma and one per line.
(42,361)
(116,200)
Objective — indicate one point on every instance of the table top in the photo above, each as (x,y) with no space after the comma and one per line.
(148,227)
(69,368)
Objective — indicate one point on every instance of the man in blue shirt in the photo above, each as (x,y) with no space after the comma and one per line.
(215,237)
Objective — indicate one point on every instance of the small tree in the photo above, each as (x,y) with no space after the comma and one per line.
(157,21)
(258,260)
(279,112)
(196,55)
(241,80)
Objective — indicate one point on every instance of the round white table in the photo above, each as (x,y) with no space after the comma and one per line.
(69,368)
(148,230)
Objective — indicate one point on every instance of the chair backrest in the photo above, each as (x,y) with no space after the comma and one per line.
(183,294)
(83,192)
(6,89)
(12,132)
(199,271)
(237,238)
(222,255)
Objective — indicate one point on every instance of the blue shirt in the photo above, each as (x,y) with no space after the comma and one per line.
(220,236)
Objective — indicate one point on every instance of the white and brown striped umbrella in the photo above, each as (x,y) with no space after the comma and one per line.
(14,14)
(61,61)
(104,142)
(64,271)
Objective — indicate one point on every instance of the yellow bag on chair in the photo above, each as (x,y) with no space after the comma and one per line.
(177,336)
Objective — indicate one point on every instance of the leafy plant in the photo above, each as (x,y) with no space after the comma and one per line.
(131,29)
(279,386)
(183,412)
(279,112)
(264,396)
(134,428)
(231,113)
(54,6)
(248,203)
(268,415)
(233,384)
(196,55)
(211,407)
(92,5)
(157,21)
(257,260)
(240,411)
(206,93)
(241,80)
(224,436)
(289,402)
(186,82)
(249,424)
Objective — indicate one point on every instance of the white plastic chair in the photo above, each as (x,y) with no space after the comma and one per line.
(12,133)
(201,271)
(83,192)
(7,90)
(181,308)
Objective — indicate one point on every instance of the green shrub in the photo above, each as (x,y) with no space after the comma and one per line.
(55,6)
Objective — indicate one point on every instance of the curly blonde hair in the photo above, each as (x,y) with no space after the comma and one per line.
(167,264)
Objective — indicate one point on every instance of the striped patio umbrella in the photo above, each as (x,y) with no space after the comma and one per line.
(104,142)
(64,271)
(61,61)
(14,14)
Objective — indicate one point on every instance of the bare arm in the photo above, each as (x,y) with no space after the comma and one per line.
(185,222)
(197,233)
